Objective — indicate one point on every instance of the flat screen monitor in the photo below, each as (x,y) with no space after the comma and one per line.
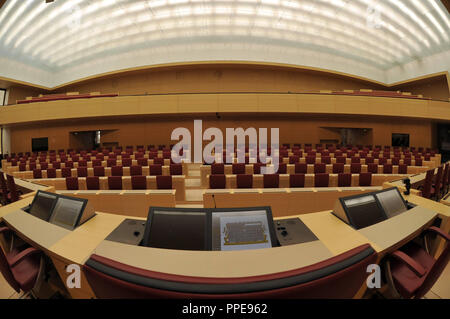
(177,228)
(392,202)
(242,229)
(39,144)
(67,211)
(43,204)
(363,210)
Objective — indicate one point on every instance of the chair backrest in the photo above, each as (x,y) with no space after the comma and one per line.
(96,162)
(325,159)
(321,180)
(282,168)
(418,162)
(344,180)
(138,182)
(99,171)
(372,168)
(66,172)
(135,170)
(337,277)
(142,161)
(271,180)
(92,182)
(37,173)
(72,183)
(341,159)
(355,159)
(320,168)
(355,168)
(218,168)
(115,182)
(428,184)
(68,164)
(12,188)
(294,159)
(5,269)
(111,162)
(395,161)
(82,172)
(301,168)
(117,171)
(387,169)
(297,180)
(158,161)
(338,168)
(365,179)
(244,181)
(403,169)
(126,162)
(155,169)
(44,166)
(51,172)
(176,169)
(407,161)
(164,182)
(217,181)
(438,180)
(369,160)
(311,159)
(238,168)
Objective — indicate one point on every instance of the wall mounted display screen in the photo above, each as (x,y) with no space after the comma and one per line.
(39,144)
(400,139)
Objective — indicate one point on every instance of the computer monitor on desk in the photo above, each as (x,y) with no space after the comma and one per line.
(392,202)
(43,204)
(177,228)
(69,212)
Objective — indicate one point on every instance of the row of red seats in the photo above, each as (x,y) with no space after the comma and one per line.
(155,170)
(436,185)
(138,182)
(218,181)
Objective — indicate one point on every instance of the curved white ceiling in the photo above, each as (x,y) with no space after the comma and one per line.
(385,40)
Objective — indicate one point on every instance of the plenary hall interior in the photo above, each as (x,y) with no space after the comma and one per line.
(246,149)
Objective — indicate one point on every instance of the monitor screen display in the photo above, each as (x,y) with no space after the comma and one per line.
(67,212)
(363,211)
(42,205)
(242,229)
(182,229)
(392,202)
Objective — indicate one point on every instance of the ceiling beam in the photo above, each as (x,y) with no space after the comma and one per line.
(446,4)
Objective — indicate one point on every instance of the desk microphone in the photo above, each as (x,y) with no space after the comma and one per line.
(407,183)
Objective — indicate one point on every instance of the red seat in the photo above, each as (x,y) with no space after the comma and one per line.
(355,168)
(44,165)
(369,160)
(4,190)
(337,277)
(403,169)
(325,159)
(142,161)
(68,164)
(218,168)
(387,169)
(164,182)
(413,270)
(282,168)
(51,172)
(320,168)
(217,181)
(56,165)
(238,168)
(99,171)
(13,192)
(37,173)
(355,160)
(117,171)
(338,168)
(321,180)
(297,180)
(115,182)
(310,159)
(82,172)
(82,163)
(294,159)
(372,168)
(111,162)
(301,168)
(341,159)
(428,184)
(20,268)
(72,183)
(271,180)
(66,172)
(418,162)
(365,179)
(135,170)
(96,162)
(155,169)
(158,161)
(138,182)
(176,169)
(126,162)
(407,161)
(344,180)
(92,182)
(244,181)
(257,168)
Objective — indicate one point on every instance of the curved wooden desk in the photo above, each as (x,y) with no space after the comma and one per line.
(334,237)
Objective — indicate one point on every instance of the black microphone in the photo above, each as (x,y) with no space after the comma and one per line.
(407,183)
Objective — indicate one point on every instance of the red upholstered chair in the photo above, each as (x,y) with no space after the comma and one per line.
(44,165)
(355,160)
(99,171)
(117,171)
(218,168)
(407,161)
(355,168)
(418,162)
(320,168)
(115,182)
(301,168)
(51,172)
(13,192)
(412,270)
(436,190)
(164,182)
(257,168)
(37,173)
(96,162)
(111,162)
(82,172)
(310,159)
(341,159)
(369,160)
(338,168)
(138,182)
(217,181)
(126,162)
(372,168)
(282,168)
(176,169)
(427,187)
(244,181)
(155,169)
(395,161)
(135,170)
(321,180)
(68,164)
(238,168)
(20,268)
(82,163)
(92,182)
(325,159)
(344,180)
(66,172)
(294,159)
(403,169)
(340,277)
(32,166)
(72,183)
(297,180)
(158,161)
(4,190)
(100,157)
(365,179)
(387,169)
(142,161)
(382,161)
(271,180)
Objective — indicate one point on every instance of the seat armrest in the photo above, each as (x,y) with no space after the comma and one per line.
(411,263)
(4,230)
(22,255)
(439,232)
